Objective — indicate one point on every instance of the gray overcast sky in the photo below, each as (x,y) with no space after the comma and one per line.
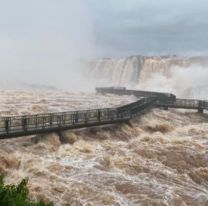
(125,27)
(43,39)
(103,28)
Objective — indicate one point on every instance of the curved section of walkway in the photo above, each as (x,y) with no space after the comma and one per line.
(54,122)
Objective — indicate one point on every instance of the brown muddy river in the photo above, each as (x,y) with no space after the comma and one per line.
(159,159)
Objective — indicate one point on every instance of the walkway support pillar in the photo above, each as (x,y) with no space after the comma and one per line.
(165,108)
(200,110)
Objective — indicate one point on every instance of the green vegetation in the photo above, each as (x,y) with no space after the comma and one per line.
(12,195)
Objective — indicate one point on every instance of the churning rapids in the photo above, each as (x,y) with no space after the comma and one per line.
(159,159)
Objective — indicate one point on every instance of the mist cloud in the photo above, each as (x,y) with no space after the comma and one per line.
(42,42)
(189,82)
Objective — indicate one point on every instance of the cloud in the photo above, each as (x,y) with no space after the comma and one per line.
(151,27)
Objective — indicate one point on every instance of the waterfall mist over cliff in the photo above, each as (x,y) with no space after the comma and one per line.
(43,43)
(188,82)
(184,76)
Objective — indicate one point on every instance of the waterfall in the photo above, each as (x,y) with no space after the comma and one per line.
(184,76)
(117,72)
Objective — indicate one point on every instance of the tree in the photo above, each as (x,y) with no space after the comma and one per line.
(17,195)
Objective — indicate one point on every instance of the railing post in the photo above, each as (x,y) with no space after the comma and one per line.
(76,117)
(51,119)
(200,110)
(201,107)
(117,114)
(36,121)
(43,122)
(7,125)
(98,114)
(24,123)
(165,107)
(130,113)
(85,117)
(72,118)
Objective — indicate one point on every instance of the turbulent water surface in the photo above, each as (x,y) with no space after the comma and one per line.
(159,159)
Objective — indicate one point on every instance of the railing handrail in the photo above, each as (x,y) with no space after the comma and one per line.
(55,113)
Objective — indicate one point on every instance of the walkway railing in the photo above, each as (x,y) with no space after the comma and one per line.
(164,99)
(187,104)
(40,123)
(33,124)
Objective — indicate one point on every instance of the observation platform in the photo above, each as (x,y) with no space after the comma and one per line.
(16,126)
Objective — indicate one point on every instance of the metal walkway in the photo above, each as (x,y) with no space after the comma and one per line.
(165,100)
(54,122)
(188,104)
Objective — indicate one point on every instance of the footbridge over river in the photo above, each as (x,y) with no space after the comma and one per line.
(16,126)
